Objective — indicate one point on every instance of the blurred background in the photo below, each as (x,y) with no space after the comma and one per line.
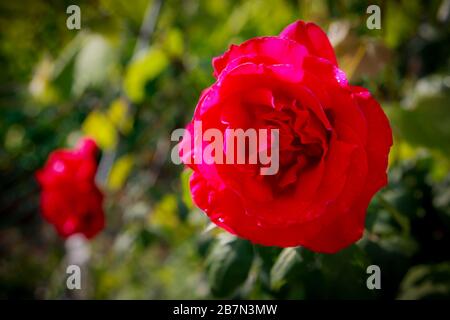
(133,73)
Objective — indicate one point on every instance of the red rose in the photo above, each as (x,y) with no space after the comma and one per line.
(70,200)
(334,143)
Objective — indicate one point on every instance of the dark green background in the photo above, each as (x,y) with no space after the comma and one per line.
(58,84)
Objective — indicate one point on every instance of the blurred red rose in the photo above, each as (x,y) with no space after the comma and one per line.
(70,199)
(334,143)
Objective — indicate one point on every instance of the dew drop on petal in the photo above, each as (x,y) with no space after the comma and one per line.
(58,166)
(340,77)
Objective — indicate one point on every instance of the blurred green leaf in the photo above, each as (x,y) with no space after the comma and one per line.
(147,66)
(118,113)
(173,43)
(185,189)
(93,64)
(401,21)
(98,126)
(228,264)
(426,282)
(59,84)
(120,171)
(426,119)
(288,260)
(165,213)
(344,274)
(63,67)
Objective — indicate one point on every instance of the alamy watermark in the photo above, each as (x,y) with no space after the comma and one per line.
(73,21)
(374,20)
(73,281)
(374,280)
(233,146)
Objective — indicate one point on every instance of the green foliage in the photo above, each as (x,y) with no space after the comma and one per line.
(143,69)
(58,84)
(93,64)
(426,282)
(288,262)
(228,265)
(425,120)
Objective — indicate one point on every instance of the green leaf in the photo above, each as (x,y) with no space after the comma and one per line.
(344,275)
(426,282)
(185,189)
(401,21)
(119,115)
(120,172)
(98,126)
(93,64)
(144,68)
(62,70)
(288,260)
(173,43)
(228,265)
(425,120)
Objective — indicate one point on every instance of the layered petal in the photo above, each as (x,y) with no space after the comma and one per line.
(334,141)
(70,199)
(312,37)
